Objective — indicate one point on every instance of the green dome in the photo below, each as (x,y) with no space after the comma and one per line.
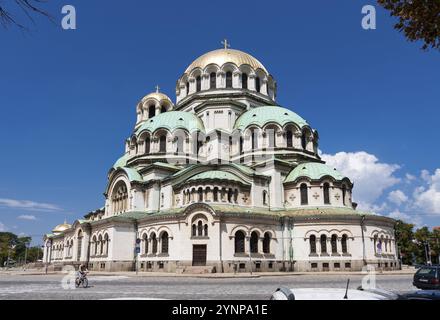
(217,175)
(314,171)
(260,116)
(121,162)
(171,121)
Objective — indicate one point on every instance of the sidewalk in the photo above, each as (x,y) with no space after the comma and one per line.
(408,271)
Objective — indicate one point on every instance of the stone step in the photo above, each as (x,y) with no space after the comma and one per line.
(196,269)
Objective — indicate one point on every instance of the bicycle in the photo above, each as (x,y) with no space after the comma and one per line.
(81,279)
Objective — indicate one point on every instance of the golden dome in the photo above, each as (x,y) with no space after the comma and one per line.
(222,56)
(158,96)
(61,227)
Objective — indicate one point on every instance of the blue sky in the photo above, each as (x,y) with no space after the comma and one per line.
(68,97)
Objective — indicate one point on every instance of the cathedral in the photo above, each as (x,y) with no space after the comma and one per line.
(224,179)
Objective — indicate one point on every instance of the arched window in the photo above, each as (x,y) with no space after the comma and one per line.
(198,84)
(236,196)
(241,144)
(200,228)
(334,242)
(304,194)
(95,247)
(344,193)
(254,242)
(101,245)
(229,79)
(257,84)
(304,140)
(254,139)
(194,230)
(106,241)
(344,243)
(154,243)
(323,243)
(312,244)
(164,242)
(230,195)
(187,88)
(179,143)
(375,244)
(289,137)
(145,239)
(205,229)
(215,194)
(265,197)
(213,80)
(147,145)
(271,138)
(244,81)
(266,243)
(120,197)
(200,194)
(79,248)
(151,111)
(239,242)
(163,144)
(326,193)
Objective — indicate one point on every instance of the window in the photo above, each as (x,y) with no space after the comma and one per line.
(95,247)
(200,229)
(164,241)
(145,239)
(198,84)
(147,145)
(120,197)
(266,243)
(271,138)
(163,144)
(344,192)
(200,194)
(106,240)
(344,243)
(347,265)
(323,243)
(334,242)
(205,228)
(215,194)
(257,84)
(325,266)
(326,193)
(229,79)
(236,196)
(304,195)
(213,80)
(187,88)
(337,265)
(241,145)
(254,138)
(194,230)
(239,242)
(179,144)
(230,195)
(151,111)
(312,244)
(314,265)
(289,137)
(265,197)
(304,140)
(163,109)
(154,243)
(254,242)
(244,81)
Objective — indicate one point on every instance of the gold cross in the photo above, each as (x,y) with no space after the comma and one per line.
(226,44)
(157,89)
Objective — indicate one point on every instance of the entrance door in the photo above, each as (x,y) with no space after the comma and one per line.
(199,255)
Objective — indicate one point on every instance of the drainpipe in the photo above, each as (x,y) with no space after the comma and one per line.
(363,240)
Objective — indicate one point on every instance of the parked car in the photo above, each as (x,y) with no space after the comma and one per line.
(422,295)
(427,277)
(332,294)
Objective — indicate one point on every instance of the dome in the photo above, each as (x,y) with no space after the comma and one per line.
(171,121)
(222,56)
(159,96)
(260,116)
(217,175)
(314,171)
(61,227)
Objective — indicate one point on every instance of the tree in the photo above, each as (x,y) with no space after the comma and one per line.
(27,7)
(405,237)
(418,20)
(18,253)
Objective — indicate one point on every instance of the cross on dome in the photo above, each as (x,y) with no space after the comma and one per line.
(226,44)
(157,89)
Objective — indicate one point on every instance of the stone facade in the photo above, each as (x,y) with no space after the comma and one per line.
(224,180)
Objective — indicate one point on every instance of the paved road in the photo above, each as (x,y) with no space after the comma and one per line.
(186,288)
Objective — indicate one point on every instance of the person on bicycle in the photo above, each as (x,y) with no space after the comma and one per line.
(82,270)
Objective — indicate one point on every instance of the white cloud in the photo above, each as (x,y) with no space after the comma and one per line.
(370,177)
(2,227)
(28,205)
(27,217)
(427,199)
(414,219)
(410,178)
(397,197)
